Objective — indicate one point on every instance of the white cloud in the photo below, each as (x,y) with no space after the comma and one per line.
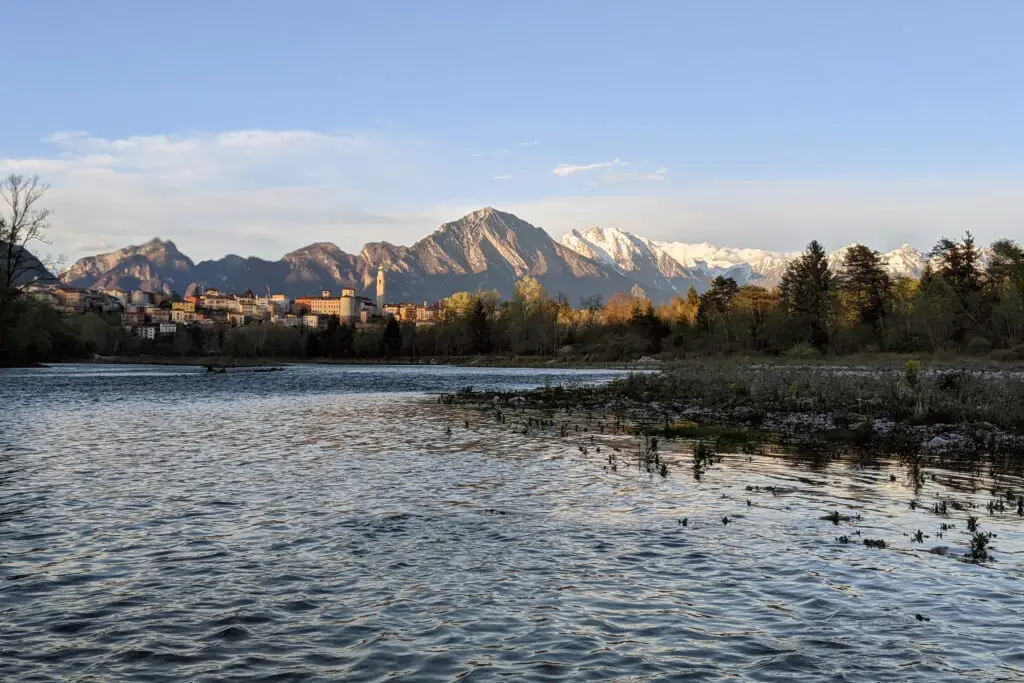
(529,143)
(264,193)
(253,192)
(633,176)
(564,170)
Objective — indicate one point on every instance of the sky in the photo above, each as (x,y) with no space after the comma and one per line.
(256,127)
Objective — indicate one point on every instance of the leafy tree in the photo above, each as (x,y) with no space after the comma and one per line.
(618,310)
(530,292)
(935,309)
(751,311)
(592,305)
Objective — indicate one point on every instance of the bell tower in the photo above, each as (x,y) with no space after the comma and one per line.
(380,290)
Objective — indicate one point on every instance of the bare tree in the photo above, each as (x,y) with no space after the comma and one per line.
(22,222)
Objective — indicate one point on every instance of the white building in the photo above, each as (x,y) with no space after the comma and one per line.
(287,320)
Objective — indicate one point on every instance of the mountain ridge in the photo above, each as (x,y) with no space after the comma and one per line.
(485,249)
(703,261)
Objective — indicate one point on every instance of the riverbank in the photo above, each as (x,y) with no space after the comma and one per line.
(917,410)
(874,361)
(461,361)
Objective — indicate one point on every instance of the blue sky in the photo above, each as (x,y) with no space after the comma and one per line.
(257,127)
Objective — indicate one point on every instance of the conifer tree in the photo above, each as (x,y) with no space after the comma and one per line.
(806,293)
(867,288)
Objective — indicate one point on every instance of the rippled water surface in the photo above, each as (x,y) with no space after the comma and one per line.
(332,523)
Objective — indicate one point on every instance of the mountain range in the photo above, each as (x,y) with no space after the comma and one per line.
(486,249)
(632,254)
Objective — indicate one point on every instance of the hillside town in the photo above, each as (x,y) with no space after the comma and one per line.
(150,315)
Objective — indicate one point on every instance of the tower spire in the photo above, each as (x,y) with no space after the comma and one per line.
(381,289)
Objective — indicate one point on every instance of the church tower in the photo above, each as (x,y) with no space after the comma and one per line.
(380,290)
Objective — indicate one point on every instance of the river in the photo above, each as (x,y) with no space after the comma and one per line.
(335,523)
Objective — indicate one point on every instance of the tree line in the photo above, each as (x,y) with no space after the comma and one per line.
(964,302)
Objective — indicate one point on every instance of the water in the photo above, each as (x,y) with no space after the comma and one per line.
(321,524)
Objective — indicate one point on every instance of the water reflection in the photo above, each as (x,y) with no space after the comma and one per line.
(330,523)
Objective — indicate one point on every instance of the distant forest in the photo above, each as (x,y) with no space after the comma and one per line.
(956,306)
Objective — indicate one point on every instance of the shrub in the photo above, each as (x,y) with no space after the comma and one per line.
(804,351)
(979,345)
(912,372)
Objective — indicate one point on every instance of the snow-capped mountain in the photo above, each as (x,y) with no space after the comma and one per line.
(703,262)
(635,257)
(758,266)
(903,262)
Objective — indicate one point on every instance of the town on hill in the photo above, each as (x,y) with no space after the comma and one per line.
(486,249)
(491,283)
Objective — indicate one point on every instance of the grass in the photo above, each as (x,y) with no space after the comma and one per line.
(911,394)
(730,403)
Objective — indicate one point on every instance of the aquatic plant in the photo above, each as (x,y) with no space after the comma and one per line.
(703,455)
(843,539)
(834,517)
(972,524)
(874,543)
(917,537)
(979,546)
(912,373)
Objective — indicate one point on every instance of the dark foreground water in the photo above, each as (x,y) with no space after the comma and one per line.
(322,524)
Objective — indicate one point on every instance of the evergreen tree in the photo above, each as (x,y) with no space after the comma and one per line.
(714,305)
(806,295)
(715,302)
(480,328)
(649,325)
(867,288)
(958,265)
(1004,279)
(391,340)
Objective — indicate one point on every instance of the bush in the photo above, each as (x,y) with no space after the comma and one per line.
(912,372)
(1010,355)
(804,351)
(979,345)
